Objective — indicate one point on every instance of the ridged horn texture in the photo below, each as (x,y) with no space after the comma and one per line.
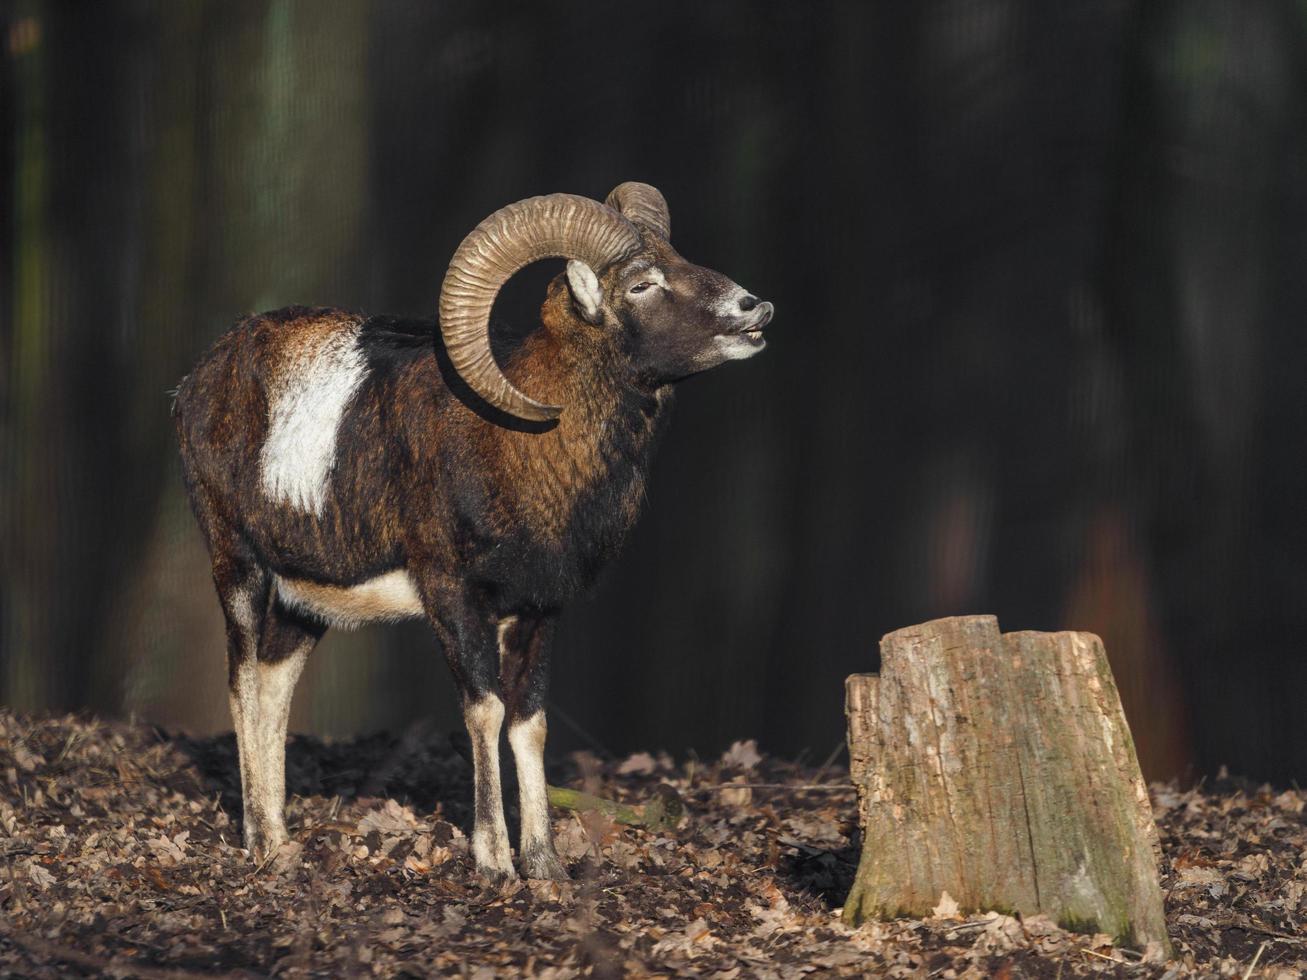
(644,204)
(554,226)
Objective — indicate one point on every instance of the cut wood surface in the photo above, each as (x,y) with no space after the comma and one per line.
(999,769)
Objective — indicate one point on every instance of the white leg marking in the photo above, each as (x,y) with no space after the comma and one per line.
(484,719)
(527,738)
(505,624)
(313,389)
(243,697)
(276,685)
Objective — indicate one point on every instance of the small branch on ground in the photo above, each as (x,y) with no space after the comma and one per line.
(663,812)
(796,787)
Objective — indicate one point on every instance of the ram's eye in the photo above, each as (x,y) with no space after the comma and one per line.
(640,287)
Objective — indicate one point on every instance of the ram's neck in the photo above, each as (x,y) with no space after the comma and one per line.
(585,474)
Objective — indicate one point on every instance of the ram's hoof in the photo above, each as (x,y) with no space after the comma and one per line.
(262,843)
(496,877)
(544,864)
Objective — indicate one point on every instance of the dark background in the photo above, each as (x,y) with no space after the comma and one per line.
(1038,351)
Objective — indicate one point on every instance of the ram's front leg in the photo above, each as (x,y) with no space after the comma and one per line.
(468,636)
(483,713)
(524,678)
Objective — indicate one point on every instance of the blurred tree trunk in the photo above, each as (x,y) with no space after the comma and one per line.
(81,353)
(1188,284)
(25,469)
(166,639)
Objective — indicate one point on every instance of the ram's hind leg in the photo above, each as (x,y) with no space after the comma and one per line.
(286,642)
(266,650)
(243,592)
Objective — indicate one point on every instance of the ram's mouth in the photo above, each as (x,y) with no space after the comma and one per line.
(752,330)
(749,333)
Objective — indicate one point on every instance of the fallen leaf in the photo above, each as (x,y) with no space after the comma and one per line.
(166,850)
(736,796)
(572,842)
(947,907)
(742,755)
(390,818)
(39,876)
(288,857)
(639,764)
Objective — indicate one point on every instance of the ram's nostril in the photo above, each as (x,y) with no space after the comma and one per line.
(749,302)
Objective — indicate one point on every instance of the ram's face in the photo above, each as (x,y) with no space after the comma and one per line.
(677,318)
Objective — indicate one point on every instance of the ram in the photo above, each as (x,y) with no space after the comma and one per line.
(348,469)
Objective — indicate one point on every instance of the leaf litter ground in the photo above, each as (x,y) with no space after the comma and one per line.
(119,856)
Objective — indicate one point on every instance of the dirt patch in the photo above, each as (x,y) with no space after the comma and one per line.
(119,855)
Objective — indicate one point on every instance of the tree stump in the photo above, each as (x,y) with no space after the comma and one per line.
(1000,769)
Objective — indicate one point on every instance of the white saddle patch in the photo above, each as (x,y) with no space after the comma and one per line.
(304,414)
(384,599)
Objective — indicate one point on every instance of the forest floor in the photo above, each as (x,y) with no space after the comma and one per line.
(119,856)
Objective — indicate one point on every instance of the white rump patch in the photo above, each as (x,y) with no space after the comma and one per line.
(304,415)
(385,599)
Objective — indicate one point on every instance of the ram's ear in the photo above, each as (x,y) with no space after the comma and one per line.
(586,294)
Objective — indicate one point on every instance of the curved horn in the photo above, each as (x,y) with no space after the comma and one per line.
(553,226)
(644,204)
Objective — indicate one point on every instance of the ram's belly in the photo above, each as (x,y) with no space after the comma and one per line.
(385,599)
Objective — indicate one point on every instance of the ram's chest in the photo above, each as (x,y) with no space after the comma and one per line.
(545,548)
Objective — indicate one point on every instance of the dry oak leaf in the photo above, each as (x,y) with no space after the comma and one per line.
(391,818)
(572,841)
(169,851)
(743,754)
(39,876)
(947,907)
(1001,934)
(640,764)
(288,857)
(695,939)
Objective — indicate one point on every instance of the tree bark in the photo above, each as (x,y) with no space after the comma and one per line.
(999,768)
